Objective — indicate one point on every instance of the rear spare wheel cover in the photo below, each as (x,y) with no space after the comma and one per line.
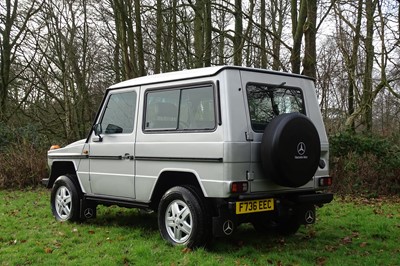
(290,150)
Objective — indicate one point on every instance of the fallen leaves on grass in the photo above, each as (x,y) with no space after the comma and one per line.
(125,261)
(346,240)
(320,261)
(364,200)
(48,250)
(349,239)
(14,213)
(278,263)
(186,250)
(330,248)
(281,241)
(311,233)
(13,242)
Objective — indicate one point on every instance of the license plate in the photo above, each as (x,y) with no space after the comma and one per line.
(251,206)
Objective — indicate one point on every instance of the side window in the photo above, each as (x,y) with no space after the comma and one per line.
(268,101)
(119,116)
(181,109)
(162,109)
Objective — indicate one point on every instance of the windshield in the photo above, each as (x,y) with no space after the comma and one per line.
(267,101)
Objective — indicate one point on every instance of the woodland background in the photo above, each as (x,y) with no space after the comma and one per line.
(58,56)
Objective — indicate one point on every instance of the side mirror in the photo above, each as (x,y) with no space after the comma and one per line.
(98,130)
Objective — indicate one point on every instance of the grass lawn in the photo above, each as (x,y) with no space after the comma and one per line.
(348,232)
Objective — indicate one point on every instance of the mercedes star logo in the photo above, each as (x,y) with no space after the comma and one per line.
(228,227)
(301,148)
(309,217)
(88,213)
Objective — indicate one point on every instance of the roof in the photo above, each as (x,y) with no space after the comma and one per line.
(192,73)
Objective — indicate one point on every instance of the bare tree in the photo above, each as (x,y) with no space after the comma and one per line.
(14,19)
(56,77)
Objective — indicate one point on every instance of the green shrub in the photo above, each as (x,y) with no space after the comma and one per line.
(368,165)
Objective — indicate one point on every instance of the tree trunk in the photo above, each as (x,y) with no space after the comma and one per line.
(298,21)
(175,36)
(263,51)
(353,65)
(237,40)
(310,50)
(367,98)
(207,33)
(278,11)
(157,66)
(139,40)
(199,33)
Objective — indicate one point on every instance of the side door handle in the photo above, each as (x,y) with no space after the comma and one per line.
(127,156)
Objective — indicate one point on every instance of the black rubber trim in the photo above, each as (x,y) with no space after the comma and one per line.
(141,158)
(181,159)
(99,157)
(67,156)
(219,104)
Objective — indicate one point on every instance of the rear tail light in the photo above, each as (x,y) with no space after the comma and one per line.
(238,187)
(325,181)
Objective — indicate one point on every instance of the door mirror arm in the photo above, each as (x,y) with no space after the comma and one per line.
(98,131)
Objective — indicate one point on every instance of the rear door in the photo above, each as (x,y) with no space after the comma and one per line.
(112,165)
(262,107)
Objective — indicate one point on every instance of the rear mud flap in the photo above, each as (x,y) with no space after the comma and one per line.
(224,225)
(306,214)
(87,210)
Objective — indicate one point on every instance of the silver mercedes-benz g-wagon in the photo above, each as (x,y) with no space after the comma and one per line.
(207,149)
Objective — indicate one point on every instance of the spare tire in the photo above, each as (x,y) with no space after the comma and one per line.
(290,150)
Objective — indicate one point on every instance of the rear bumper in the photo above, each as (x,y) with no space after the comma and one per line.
(311,198)
(286,207)
(317,199)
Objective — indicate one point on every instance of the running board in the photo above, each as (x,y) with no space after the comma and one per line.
(118,202)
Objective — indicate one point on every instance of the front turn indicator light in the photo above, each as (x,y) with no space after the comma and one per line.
(54,147)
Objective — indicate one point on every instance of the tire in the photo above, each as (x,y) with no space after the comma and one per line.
(65,200)
(182,218)
(290,150)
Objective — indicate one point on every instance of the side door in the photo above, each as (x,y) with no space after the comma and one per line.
(112,153)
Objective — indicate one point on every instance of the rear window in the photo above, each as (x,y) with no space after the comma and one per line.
(267,101)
